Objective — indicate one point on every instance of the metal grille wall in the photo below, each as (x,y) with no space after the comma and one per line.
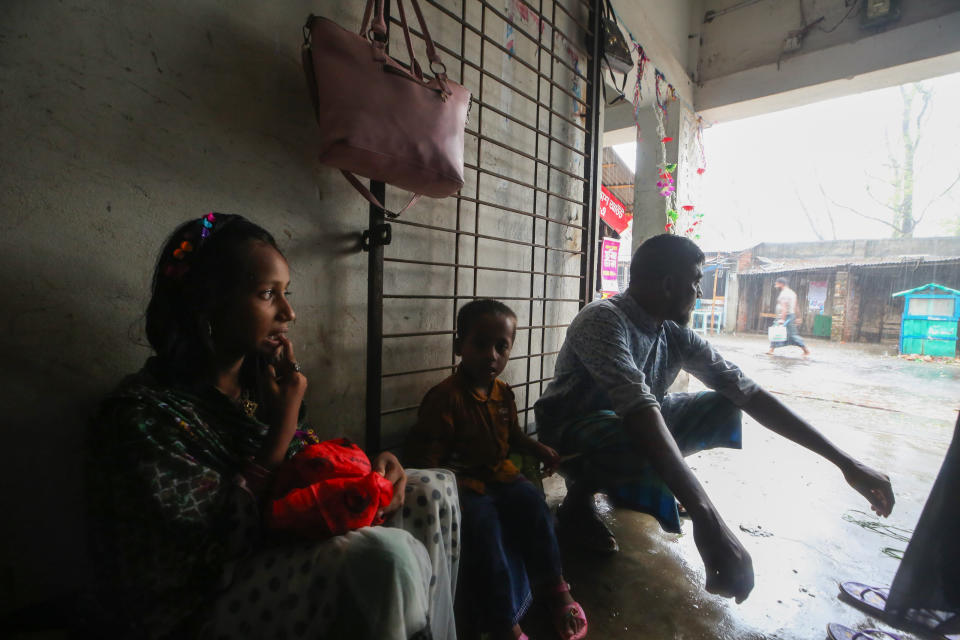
(522,228)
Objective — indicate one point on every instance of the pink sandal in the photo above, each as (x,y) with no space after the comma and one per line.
(560,615)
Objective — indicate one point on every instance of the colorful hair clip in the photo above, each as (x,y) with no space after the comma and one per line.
(180,252)
(181,265)
(206,225)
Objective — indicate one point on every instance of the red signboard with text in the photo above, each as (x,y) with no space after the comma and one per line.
(612,211)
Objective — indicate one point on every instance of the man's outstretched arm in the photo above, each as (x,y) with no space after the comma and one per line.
(728,566)
(780,419)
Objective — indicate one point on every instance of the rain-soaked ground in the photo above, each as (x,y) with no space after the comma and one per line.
(804,527)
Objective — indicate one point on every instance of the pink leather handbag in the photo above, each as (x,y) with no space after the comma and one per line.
(378,118)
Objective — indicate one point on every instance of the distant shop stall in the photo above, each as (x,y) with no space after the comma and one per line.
(844,298)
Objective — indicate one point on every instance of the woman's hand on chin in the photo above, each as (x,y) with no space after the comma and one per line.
(285,384)
(387,465)
(283,391)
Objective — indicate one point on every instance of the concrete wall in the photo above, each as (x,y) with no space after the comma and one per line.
(121,120)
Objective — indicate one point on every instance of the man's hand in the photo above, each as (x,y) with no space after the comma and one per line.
(872,485)
(548,456)
(728,565)
(387,465)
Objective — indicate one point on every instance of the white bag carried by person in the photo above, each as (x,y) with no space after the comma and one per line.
(777,333)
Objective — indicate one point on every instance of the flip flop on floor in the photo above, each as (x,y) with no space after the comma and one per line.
(839,632)
(873,600)
(561,614)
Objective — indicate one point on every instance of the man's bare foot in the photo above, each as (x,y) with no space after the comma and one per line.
(806,352)
(769,352)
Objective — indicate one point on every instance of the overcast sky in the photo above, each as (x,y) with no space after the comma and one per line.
(760,169)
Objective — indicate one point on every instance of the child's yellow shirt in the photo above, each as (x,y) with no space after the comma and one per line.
(462,430)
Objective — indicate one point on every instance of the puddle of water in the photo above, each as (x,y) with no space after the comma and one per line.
(874,524)
(756,531)
(803,526)
(865,520)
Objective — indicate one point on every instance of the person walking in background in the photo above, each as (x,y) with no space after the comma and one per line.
(787,316)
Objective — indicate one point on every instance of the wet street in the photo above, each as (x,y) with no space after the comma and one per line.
(804,527)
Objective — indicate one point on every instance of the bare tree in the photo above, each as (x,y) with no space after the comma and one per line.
(813,217)
(901,215)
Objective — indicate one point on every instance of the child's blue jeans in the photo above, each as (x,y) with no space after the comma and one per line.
(507,535)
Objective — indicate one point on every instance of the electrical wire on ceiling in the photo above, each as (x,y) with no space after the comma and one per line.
(853,10)
(710,15)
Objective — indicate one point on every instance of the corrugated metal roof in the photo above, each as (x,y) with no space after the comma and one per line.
(784,265)
(618,178)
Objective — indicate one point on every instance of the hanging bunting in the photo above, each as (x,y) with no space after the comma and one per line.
(667,183)
(700,149)
(642,61)
(658,78)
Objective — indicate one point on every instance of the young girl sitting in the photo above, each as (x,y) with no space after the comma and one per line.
(183,454)
(468,423)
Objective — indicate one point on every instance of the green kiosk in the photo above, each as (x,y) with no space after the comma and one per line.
(929,322)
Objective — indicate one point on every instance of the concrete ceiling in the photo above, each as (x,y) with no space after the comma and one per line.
(727,57)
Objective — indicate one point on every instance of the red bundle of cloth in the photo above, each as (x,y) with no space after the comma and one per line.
(327,489)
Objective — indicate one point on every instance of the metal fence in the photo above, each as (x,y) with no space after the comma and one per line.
(523,227)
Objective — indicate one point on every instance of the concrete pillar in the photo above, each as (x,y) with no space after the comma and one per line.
(839,315)
(745,305)
(732,293)
(649,207)
(850,332)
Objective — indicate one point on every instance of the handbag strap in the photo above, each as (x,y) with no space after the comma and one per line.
(379,28)
(379,25)
(417,71)
(441,69)
(356,184)
(432,54)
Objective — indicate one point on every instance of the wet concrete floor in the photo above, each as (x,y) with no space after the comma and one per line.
(804,527)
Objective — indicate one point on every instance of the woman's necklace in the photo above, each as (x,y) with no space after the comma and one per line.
(247,405)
